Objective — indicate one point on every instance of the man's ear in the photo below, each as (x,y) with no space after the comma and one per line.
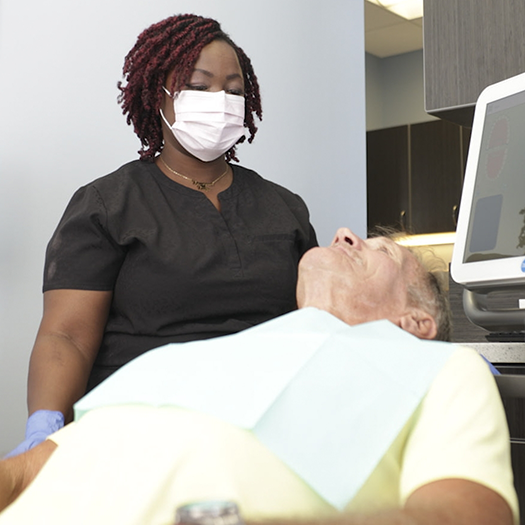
(419,323)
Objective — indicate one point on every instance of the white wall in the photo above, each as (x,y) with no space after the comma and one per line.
(395,93)
(60,127)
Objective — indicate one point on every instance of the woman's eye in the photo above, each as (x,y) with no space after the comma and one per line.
(238,92)
(196,87)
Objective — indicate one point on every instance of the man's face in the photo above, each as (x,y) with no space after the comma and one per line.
(364,280)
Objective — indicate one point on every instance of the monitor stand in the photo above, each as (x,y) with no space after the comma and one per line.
(505,324)
(506,337)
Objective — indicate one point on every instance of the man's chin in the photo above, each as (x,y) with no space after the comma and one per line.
(320,258)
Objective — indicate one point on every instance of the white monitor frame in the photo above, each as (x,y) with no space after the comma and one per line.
(496,272)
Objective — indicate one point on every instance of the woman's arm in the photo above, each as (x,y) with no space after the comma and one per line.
(66,346)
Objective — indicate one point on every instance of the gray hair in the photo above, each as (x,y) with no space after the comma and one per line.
(428,293)
(427,290)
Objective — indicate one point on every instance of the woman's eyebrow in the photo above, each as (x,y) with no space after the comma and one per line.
(233,75)
(210,74)
(204,72)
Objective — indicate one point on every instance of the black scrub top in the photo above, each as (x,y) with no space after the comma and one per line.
(179,269)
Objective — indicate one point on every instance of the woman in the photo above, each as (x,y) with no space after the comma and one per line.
(177,246)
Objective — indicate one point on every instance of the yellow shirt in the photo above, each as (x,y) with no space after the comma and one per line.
(134,465)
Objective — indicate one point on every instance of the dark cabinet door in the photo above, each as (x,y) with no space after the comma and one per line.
(436,175)
(415,176)
(387,177)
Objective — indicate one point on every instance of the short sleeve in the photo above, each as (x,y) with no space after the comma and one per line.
(461,432)
(300,210)
(81,253)
(310,239)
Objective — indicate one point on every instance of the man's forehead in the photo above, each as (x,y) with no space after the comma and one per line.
(406,256)
(412,263)
(382,240)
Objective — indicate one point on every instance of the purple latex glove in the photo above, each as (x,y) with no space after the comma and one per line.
(493,369)
(39,425)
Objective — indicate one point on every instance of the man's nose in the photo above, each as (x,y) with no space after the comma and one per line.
(348,236)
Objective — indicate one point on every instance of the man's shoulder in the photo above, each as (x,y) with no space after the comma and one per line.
(466,365)
(464,384)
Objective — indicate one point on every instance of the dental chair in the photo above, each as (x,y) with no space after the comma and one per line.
(512,391)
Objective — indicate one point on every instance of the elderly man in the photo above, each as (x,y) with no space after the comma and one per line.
(221,419)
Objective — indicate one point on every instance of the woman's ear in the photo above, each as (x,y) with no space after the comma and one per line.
(419,323)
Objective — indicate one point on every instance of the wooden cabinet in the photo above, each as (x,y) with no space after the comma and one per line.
(387,177)
(436,176)
(468,45)
(415,176)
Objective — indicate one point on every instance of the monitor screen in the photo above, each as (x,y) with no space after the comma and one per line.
(490,239)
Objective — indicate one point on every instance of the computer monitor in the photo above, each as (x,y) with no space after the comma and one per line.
(489,252)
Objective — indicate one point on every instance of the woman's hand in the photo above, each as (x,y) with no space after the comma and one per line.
(40,424)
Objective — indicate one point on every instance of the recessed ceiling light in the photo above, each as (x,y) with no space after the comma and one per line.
(409,9)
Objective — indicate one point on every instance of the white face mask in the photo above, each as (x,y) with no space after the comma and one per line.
(207,124)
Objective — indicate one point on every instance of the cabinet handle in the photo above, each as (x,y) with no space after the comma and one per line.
(402,217)
(455,212)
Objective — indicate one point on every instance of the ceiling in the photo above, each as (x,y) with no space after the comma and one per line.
(387,34)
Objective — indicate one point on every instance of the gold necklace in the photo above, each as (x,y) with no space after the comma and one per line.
(204,186)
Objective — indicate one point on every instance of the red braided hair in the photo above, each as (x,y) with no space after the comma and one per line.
(174,44)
